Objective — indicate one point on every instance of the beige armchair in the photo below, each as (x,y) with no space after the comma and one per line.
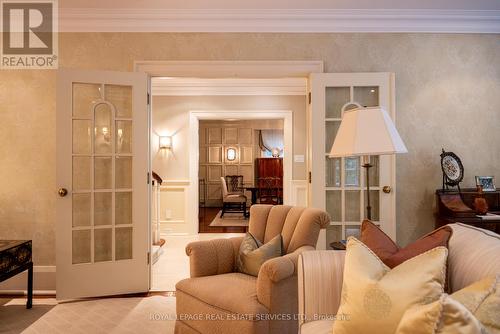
(216,299)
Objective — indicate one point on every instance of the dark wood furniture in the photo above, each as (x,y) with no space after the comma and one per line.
(16,257)
(265,169)
(269,190)
(255,193)
(235,184)
(455,207)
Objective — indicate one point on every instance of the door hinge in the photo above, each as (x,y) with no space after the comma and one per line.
(149,99)
(310,177)
(148,255)
(309,97)
(147,178)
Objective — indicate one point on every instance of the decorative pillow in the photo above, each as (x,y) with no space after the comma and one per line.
(374,297)
(249,244)
(382,245)
(482,299)
(444,316)
(253,253)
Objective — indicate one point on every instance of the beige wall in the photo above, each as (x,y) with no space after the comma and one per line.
(447,95)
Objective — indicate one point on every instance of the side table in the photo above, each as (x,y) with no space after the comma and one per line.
(16,257)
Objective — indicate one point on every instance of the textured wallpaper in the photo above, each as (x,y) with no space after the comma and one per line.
(447,95)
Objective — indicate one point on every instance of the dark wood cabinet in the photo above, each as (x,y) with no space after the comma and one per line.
(453,207)
(269,167)
(269,179)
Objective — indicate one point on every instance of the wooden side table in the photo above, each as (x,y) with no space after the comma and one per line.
(16,257)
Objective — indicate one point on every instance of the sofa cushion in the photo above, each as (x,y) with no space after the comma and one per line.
(374,297)
(483,300)
(208,290)
(387,250)
(317,327)
(473,255)
(444,316)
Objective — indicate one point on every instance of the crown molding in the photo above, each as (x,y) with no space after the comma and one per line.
(220,87)
(286,20)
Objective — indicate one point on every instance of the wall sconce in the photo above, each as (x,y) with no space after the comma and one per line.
(231,154)
(166,142)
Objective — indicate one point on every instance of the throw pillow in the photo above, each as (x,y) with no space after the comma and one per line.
(251,258)
(374,297)
(382,245)
(482,299)
(249,244)
(444,316)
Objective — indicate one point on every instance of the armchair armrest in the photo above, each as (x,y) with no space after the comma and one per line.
(320,277)
(212,257)
(275,273)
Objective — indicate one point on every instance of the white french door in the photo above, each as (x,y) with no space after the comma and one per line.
(337,185)
(102,174)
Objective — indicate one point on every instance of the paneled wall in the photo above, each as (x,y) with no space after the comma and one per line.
(216,137)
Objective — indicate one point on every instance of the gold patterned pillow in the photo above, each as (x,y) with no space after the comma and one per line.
(375,297)
(444,316)
(253,253)
(482,299)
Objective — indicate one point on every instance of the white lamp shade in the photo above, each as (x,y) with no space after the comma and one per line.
(367,131)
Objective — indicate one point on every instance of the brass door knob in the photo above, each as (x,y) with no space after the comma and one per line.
(387,189)
(62,192)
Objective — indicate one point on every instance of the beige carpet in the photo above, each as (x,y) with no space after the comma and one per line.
(154,314)
(229,219)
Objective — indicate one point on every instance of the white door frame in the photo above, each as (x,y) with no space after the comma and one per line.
(194,148)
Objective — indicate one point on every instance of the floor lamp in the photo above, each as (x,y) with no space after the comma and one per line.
(366,132)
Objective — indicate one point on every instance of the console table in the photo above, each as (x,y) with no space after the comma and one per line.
(16,257)
(453,207)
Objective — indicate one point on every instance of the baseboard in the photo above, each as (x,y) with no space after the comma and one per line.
(44,281)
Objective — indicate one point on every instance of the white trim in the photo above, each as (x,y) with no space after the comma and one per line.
(175,86)
(196,115)
(278,20)
(230,69)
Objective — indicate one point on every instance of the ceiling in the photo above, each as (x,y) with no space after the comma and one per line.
(287,4)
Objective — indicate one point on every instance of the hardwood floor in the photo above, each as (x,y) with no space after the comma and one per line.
(206,217)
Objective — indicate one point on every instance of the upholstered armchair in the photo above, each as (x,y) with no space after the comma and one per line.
(216,299)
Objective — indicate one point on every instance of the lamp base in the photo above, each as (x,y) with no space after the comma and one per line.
(367,165)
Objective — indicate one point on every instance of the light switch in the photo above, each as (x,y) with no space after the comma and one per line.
(298,158)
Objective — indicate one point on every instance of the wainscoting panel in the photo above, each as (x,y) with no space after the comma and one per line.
(174,204)
(299,193)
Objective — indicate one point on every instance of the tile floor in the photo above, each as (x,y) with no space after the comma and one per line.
(173,265)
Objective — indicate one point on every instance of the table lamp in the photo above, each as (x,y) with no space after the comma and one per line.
(366,132)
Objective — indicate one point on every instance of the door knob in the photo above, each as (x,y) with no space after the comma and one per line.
(387,189)
(62,192)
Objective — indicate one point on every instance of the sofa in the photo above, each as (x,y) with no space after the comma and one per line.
(473,255)
(216,299)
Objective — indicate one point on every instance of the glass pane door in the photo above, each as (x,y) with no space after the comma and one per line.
(103,166)
(102,225)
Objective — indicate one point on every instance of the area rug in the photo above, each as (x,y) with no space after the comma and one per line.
(230,219)
(132,315)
